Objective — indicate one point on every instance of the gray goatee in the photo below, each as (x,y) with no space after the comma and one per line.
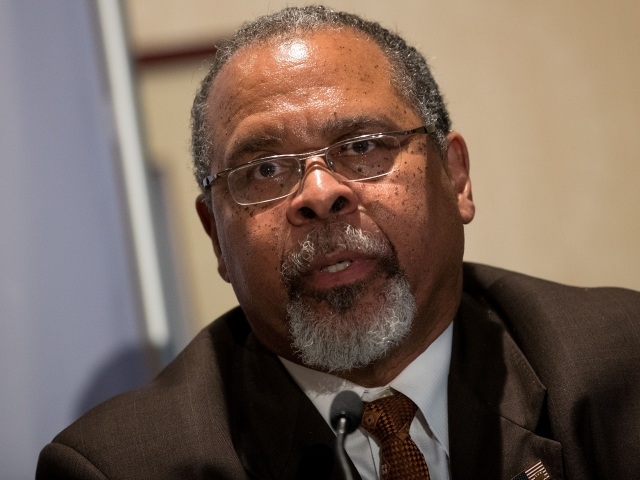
(337,329)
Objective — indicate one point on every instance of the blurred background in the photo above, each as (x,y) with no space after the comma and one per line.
(105,272)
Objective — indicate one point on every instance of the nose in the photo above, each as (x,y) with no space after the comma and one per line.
(320,196)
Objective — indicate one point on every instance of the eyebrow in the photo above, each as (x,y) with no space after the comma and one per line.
(336,129)
(253,144)
(344,127)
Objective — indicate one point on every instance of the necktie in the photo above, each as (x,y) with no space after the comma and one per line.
(388,420)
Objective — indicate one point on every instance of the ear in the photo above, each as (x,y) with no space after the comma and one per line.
(457,163)
(209,224)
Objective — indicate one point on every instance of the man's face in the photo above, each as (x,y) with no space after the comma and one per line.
(302,94)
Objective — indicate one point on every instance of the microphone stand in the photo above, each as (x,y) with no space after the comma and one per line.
(341,433)
(345,417)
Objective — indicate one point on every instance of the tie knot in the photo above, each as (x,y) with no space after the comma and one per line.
(387,416)
(388,419)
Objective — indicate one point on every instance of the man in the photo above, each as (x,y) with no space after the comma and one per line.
(335,195)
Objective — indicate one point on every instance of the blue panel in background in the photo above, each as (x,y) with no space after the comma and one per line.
(71,329)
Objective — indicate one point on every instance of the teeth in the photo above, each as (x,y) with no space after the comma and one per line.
(337,267)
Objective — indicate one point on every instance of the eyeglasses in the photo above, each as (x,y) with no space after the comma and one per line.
(365,157)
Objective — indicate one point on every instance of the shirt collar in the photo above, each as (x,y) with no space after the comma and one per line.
(424,381)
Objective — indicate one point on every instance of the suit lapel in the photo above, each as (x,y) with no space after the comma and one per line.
(276,430)
(497,404)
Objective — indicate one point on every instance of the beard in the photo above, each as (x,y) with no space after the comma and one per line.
(347,327)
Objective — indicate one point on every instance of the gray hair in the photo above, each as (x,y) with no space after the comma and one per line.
(410,72)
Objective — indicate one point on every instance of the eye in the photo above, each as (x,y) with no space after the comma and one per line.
(359,147)
(268,170)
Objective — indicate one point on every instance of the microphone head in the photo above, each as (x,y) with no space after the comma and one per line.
(348,405)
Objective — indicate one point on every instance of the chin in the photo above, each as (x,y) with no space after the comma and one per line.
(349,332)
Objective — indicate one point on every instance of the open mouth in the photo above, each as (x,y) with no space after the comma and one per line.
(336,272)
(336,267)
(336,256)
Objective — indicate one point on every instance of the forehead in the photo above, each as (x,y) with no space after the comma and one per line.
(291,86)
(332,50)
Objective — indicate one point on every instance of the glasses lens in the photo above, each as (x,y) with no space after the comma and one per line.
(262,181)
(272,178)
(365,157)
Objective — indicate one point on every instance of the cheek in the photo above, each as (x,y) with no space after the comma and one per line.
(252,242)
(400,212)
(414,208)
(400,198)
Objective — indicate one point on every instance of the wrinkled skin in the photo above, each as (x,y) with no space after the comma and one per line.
(303,93)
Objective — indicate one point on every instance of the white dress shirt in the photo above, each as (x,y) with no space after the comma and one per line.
(424,381)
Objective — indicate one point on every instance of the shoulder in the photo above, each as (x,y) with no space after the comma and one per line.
(521,295)
(580,341)
(571,335)
(584,346)
(566,321)
(134,431)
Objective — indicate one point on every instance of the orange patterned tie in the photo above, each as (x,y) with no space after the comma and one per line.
(388,419)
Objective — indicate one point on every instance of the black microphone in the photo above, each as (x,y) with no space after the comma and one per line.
(345,416)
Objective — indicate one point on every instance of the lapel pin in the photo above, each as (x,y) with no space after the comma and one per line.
(535,472)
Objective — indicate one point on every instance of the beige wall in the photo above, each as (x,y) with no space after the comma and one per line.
(546,93)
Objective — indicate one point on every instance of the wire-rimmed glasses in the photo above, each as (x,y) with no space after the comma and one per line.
(365,157)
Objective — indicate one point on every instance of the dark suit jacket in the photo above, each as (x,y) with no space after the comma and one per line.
(539,371)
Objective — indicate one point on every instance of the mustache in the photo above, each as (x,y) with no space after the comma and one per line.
(328,239)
